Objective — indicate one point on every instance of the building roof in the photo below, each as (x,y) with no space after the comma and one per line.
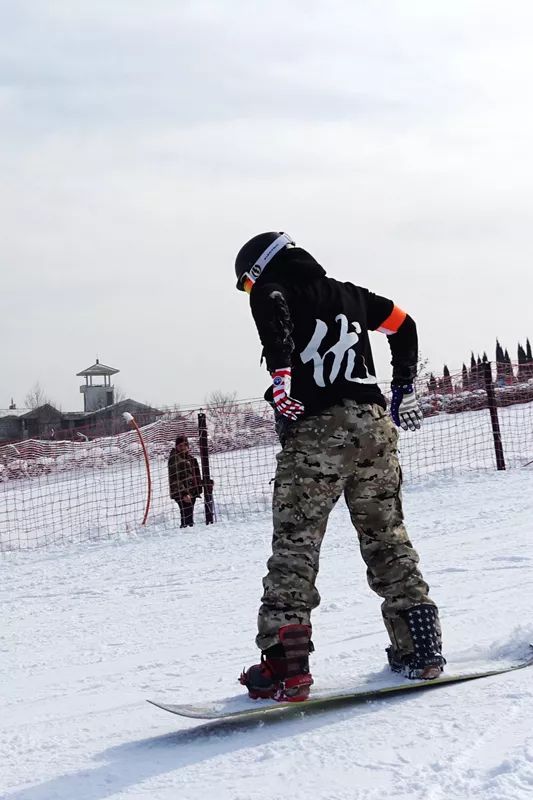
(48,410)
(97,369)
(12,412)
(128,405)
(36,413)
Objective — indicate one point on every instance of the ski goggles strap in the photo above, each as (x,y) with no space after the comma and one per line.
(247,279)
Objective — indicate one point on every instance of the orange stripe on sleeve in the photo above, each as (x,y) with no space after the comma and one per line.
(393,321)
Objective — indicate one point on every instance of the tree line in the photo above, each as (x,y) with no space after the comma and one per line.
(472,377)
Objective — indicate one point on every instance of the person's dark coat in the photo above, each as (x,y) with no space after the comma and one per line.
(184,476)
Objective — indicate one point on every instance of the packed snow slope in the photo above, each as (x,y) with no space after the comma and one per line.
(90,631)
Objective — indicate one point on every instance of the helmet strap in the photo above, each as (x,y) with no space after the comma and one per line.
(283,240)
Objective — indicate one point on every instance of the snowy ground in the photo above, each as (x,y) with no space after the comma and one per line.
(92,630)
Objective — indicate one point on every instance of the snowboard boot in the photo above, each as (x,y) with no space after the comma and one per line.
(426,661)
(283,673)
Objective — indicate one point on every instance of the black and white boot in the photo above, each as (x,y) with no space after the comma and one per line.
(426,661)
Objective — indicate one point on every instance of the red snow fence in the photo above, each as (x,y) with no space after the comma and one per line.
(58,492)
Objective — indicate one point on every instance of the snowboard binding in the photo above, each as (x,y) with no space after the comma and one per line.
(283,673)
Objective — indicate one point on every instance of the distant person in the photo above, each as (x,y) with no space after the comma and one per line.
(184,479)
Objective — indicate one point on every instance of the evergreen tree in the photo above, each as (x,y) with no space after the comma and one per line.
(473,372)
(446,380)
(432,383)
(509,374)
(522,366)
(466,379)
(479,374)
(500,365)
(485,369)
(529,360)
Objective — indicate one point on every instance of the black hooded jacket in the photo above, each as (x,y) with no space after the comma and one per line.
(319,326)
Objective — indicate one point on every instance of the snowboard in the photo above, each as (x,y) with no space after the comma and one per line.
(242,707)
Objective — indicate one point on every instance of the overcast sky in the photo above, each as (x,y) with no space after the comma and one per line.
(141,143)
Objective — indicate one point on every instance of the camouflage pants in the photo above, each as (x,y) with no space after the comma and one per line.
(348,448)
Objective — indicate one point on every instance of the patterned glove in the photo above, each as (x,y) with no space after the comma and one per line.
(285,405)
(404,408)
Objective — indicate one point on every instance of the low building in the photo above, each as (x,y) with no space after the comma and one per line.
(102,416)
(47,422)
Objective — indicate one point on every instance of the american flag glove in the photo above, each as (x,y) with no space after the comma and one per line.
(281,389)
(404,408)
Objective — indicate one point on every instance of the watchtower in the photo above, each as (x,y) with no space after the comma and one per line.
(97,390)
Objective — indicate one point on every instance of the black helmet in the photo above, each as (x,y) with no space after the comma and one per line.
(253,257)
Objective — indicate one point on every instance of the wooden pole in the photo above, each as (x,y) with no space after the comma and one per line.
(493,409)
(206,476)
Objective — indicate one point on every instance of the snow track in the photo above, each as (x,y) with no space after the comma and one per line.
(92,630)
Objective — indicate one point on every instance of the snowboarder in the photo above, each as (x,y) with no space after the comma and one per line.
(184,479)
(336,438)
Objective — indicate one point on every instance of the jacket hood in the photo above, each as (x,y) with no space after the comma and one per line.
(291,266)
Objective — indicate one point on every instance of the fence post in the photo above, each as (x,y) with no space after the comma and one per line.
(493,409)
(206,477)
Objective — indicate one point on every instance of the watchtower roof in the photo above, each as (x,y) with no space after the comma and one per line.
(97,369)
